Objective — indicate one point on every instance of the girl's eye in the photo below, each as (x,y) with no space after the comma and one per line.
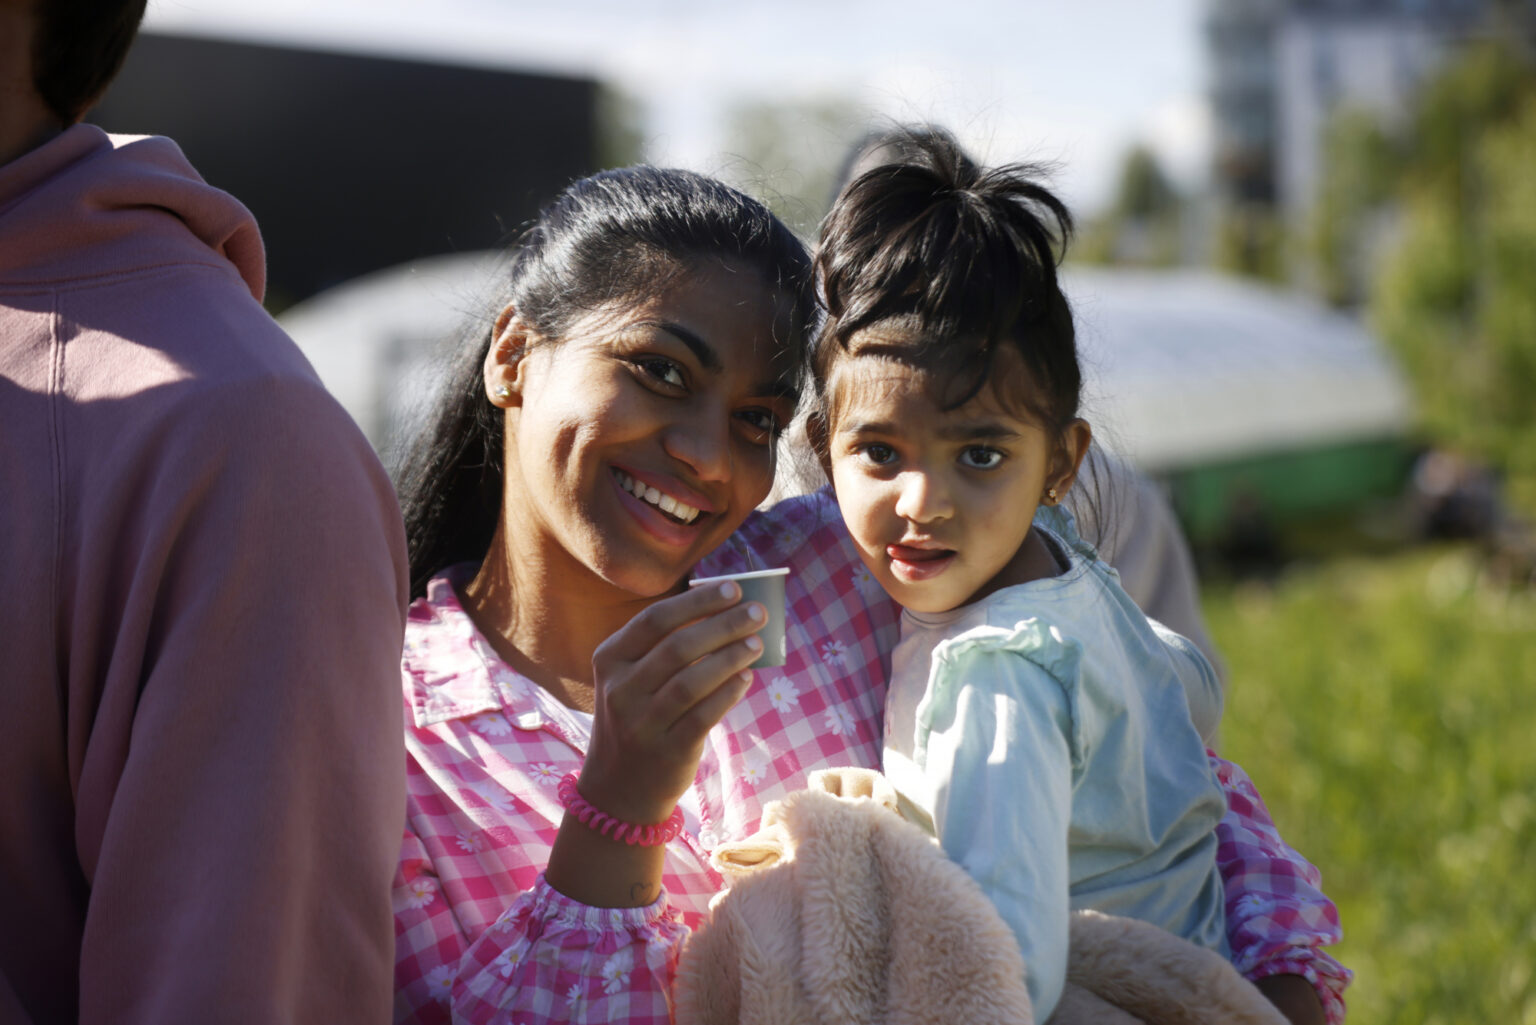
(878,454)
(981,457)
(663,370)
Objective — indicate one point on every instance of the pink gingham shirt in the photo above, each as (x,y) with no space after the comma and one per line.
(480,936)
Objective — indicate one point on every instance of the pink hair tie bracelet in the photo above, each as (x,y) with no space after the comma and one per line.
(628,832)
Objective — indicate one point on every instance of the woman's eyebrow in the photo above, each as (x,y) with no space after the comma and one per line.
(705,353)
(779,388)
(709,359)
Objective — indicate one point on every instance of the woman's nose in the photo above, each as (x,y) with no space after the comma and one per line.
(703,443)
(923,497)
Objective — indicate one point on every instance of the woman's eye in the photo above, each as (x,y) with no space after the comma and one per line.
(762,422)
(663,370)
(981,457)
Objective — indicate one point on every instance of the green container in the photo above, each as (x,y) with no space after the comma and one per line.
(1279,487)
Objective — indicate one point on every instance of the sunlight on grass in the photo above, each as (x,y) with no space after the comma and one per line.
(1387,710)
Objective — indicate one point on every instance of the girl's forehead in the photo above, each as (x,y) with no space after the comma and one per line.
(861,379)
(864,384)
(873,365)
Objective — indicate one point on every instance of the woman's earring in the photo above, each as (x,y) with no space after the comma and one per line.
(503,392)
(1050,494)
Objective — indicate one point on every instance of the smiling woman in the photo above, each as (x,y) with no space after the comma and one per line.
(614,427)
(636,444)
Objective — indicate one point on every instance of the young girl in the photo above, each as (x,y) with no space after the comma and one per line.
(1034,712)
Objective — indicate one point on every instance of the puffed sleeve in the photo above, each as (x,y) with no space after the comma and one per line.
(1202,687)
(999,757)
(1278,918)
(543,958)
(549,958)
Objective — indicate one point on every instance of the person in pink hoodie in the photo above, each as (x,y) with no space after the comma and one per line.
(202,592)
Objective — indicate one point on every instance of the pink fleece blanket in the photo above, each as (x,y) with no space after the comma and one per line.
(841,912)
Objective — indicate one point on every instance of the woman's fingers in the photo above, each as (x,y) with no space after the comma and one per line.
(683,704)
(690,644)
(686,666)
(690,639)
(699,718)
(636,639)
(663,681)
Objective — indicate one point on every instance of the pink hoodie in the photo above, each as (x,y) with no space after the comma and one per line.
(202,591)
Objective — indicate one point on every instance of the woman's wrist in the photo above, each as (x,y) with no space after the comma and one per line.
(592,866)
(649,834)
(1294,997)
(593,869)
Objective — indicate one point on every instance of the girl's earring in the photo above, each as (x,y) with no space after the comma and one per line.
(503,392)
(1050,494)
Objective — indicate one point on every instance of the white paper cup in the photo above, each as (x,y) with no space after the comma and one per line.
(766,587)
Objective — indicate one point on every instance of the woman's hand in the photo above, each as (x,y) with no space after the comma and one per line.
(1295,998)
(662,681)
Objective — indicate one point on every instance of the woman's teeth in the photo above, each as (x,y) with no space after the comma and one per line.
(666,503)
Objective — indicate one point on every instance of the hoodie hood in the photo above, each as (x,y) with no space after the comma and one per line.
(88,204)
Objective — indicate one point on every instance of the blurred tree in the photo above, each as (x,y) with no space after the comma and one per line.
(1144,225)
(1251,240)
(789,154)
(620,128)
(1145,191)
(1352,213)
(1457,294)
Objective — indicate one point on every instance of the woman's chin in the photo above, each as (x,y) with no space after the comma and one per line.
(645,582)
(645,573)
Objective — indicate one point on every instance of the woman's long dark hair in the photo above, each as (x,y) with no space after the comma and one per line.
(605,240)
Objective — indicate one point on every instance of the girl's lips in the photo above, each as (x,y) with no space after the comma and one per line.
(912,564)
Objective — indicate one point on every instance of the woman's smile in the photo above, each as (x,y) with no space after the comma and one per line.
(667,495)
(663,516)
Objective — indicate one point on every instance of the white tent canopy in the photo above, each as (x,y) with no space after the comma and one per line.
(380,342)
(1188,367)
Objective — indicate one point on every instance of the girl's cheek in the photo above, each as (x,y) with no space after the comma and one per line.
(875,510)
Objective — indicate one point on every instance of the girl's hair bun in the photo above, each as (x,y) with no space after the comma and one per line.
(958,257)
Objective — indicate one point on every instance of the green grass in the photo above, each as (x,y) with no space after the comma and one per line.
(1386,707)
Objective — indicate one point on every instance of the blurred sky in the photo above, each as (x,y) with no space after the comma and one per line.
(1075,82)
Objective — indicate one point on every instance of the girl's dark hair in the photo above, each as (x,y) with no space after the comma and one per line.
(78,48)
(607,239)
(956,259)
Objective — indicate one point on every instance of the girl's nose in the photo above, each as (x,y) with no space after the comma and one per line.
(923,497)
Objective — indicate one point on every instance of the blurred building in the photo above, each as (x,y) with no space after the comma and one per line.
(1280,69)
(352,163)
(1240,39)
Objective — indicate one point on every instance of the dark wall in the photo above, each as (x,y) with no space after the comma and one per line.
(355,163)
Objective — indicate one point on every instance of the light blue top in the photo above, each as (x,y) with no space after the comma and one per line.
(1047,730)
